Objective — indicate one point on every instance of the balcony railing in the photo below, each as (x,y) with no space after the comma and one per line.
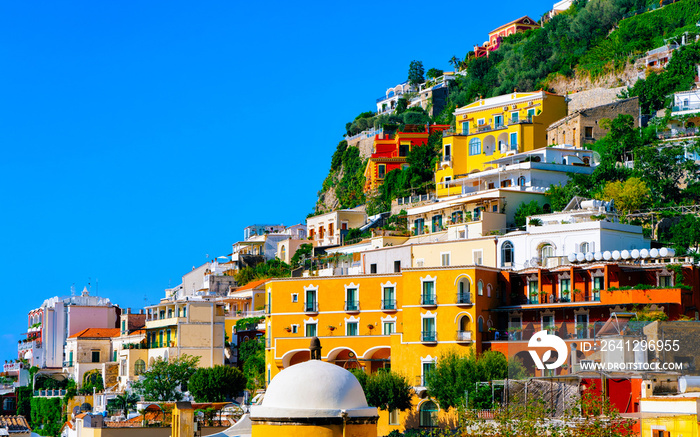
(464,336)
(428,300)
(519,120)
(311,307)
(388,304)
(49,393)
(464,298)
(564,330)
(352,305)
(690,107)
(428,336)
(68,364)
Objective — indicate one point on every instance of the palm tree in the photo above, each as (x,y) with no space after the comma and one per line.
(126,402)
(456,63)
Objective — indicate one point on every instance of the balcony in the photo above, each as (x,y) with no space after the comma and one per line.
(679,133)
(388,304)
(689,107)
(428,337)
(49,393)
(352,306)
(428,300)
(446,161)
(463,336)
(68,364)
(464,299)
(518,120)
(569,331)
(311,307)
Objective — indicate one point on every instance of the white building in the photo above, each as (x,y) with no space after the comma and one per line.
(583,226)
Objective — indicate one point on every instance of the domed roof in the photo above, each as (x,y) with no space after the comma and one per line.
(314,389)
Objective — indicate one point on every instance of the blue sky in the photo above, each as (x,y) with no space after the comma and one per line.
(138,137)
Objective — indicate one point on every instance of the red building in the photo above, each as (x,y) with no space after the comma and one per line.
(391,149)
(522,24)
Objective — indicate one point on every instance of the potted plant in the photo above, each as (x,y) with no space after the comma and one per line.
(565,296)
(533,297)
(514,332)
(596,294)
(331,327)
(288,329)
(426,229)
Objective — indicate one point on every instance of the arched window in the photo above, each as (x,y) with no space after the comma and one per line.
(139,367)
(488,290)
(481,324)
(463,292)
(428,414)
(584,247)
(475,146)
(283,253)
(521,181)
(507,254)
(480,288)
(547,251)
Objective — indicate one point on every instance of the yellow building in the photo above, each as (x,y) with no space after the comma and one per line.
(669,416)
(493,128)
(403,321)
(194,327)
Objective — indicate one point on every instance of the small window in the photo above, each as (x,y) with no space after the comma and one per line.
(373,268)
(397,266)
(480,288)
(8,404)
(445,259)
(394,417)
(478,257)
(588,132)
(584,247)
(664,281)
(95,356)
(311,330)
(352,328)
(388,328)
(295,297)
(381,171)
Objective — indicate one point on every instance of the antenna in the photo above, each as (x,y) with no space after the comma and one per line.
(72,289)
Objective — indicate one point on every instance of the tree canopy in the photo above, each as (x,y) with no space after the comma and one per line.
(166,380)
(416,73)
(385,390)
(216,384)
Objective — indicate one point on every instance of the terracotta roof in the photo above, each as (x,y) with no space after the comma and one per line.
(14,423)
(97,333)
(532,21)
(252,285)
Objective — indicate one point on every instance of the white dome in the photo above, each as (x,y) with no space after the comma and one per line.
(313,389)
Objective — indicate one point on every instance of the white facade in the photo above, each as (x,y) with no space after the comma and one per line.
(686,102)
(564,233)
(327,229)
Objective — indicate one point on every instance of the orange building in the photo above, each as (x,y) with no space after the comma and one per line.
(522,24)
(391,150)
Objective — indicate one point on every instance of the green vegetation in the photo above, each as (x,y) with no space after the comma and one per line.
(252,354)
(216,384)
(526,209)
(274,268)
(245,324)
(455,374)
(166,380)
(92,381)
(46,416)
(416,73)
(304,252)
(385,390)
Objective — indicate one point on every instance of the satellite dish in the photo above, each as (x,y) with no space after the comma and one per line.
(596,158)
(534,261)
(526,264)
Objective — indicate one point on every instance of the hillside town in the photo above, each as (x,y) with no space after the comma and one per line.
(479,262)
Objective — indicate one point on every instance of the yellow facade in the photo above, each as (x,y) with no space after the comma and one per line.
(672,425)
(435,310)
(286,429)
(493,128)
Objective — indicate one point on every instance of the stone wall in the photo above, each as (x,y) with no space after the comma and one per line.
(583,127)
(592,98)
(366,146)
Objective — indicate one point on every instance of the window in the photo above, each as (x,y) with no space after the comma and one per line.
(403,149)
(465,127)
(397,266)
(381,171)
(564,289)
(457,217)
(599,283)
(8,404)
(428,414)
(170,312)
(514,141)
(548,323)
(388,328)
(95,356)
(665,281)
(507,254)
(588,131)
(418,226)
(530,113)
(474,146)
(295,297)
(351,302)
(445,259)
(394,417)
(480,288)
(446,153)
(481,324)
(139,367)
(167,337)
(547,251)
(123,326)
(478,257)
(582,325)
(521,181)
(114,356)
(160,338)
(184,311)
(161,315)
(388,301)
(311,304)
(463,293)
(498,121)
(373,268)
(514,116)
(311,330)
(283,253)
(437,223)
(429,329)
(428,293)
(352,328)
